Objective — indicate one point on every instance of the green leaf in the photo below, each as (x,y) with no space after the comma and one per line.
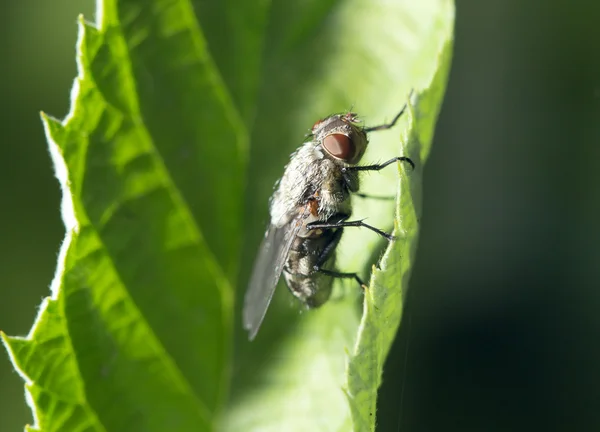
(140,318)
(183,115)
(383,300)
(292,379)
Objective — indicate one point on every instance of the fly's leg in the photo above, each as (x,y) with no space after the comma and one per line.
(342,275)
(377,167)
(342,224)
(393,122)
(375,197)
(339,225)
(326,253)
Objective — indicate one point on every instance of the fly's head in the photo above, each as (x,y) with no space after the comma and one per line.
(341,137)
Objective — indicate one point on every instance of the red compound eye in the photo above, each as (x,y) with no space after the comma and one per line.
(340,146)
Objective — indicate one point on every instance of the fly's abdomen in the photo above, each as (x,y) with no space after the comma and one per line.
(304,281)
(313,290)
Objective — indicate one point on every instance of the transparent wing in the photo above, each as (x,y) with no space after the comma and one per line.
(267,269)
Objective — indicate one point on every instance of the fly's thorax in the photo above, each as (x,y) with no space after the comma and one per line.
(300,179)
(309,176)
(341,138)
(304,232)
(335,199)
(315,170)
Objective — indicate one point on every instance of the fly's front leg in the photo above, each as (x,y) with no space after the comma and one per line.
(377,167)
(393,122)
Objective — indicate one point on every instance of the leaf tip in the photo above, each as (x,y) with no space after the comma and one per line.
(6,341)
(51,124)
(14,346)
(82,23)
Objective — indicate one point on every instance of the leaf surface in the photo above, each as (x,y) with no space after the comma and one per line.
(366,56)
(139,322)
(383,301)
(183,116)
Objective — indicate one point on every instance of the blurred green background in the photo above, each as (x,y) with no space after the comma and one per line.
(503,310)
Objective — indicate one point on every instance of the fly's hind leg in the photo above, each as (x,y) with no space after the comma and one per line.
(375,197)
(342,275)
(326,253)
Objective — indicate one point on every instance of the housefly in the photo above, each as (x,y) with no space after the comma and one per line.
(309,210)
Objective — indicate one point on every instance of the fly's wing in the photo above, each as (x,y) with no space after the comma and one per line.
(268,266)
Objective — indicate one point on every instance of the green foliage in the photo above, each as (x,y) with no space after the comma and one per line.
(177,131)
(383,299)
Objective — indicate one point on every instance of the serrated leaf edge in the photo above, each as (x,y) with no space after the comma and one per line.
(71,223)
(368,298)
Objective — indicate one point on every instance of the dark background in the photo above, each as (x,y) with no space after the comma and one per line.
(502,321)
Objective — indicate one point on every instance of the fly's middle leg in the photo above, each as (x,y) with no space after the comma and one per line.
(342,224)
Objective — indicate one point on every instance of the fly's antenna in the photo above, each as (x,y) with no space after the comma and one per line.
(393,122)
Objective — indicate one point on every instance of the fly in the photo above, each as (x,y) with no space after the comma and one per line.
(309,210)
